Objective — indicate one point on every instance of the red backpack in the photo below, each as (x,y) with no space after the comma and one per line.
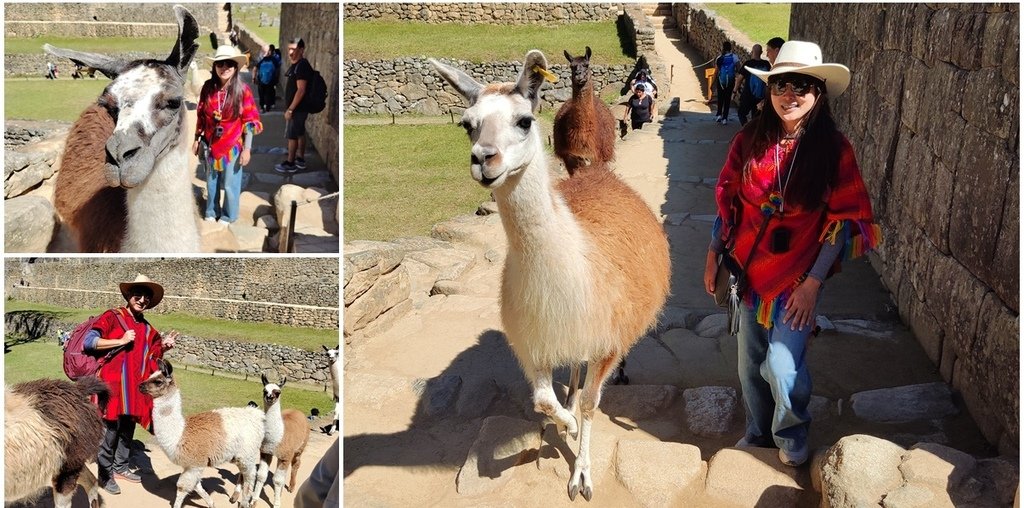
(78,363)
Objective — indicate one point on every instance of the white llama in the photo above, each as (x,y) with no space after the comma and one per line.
(124,183)
(587,269)
(334,368)
(212,438)
(287,433)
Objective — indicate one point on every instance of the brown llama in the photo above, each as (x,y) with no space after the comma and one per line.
(584,128)
(587,269)
(51,432)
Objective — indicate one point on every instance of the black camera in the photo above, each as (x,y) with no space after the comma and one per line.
(780,240)
(218,131)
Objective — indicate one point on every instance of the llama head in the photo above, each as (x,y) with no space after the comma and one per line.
(580,66)
(332,355)
(145,101)
(500,119)
(161,382)
(271,391)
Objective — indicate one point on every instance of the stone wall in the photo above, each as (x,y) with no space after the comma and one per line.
(289,291)
(104,13)
(486,13)
(317,24)
(34,64)
(704,31)
(411,85)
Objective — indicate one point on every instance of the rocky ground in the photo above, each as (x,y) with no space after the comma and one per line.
(437,411)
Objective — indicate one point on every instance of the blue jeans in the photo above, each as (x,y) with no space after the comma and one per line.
(775,381)
(230,180)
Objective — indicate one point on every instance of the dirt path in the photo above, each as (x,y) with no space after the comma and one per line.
(158,488)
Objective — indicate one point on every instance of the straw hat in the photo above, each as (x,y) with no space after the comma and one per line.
(142,280)
(805,58)
(228,53)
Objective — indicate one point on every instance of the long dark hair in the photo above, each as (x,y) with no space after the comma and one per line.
(234,89)
(817,162)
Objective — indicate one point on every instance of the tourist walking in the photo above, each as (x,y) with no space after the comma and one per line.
(226,121)
(639,108)
(751,90)
(725,80)
(790,200)
(136,346)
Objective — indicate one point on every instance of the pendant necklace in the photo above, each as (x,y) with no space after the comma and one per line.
(778,174)
(220,105)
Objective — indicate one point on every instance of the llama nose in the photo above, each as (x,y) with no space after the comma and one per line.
(122,149)
(482,153)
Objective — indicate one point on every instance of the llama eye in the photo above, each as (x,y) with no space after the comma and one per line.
(525,123)
(466,125)
(174,103)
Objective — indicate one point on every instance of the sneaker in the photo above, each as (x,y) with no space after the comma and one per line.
(222,221)
(209,219)
(724,121)
(793,459)
(300,163)
(112,487)
(286,167)
(718,118)
(127,476)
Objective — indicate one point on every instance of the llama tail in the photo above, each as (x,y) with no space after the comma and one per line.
(91,385)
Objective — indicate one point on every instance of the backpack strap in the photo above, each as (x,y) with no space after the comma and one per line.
(119,314)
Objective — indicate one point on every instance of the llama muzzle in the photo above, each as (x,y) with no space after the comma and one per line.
(129,161)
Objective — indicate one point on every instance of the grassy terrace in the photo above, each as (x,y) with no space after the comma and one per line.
(248,14)
(759,21)
(309,339)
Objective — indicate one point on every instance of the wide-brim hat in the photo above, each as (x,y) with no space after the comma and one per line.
(142,280)
(805,58)
(228,53)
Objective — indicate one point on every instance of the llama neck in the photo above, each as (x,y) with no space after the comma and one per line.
(162,211)
(584,91)
(535,217)
(274,430)
(168,422)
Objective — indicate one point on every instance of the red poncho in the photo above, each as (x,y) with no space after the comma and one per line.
(130,366)
(772,277)
(228,146)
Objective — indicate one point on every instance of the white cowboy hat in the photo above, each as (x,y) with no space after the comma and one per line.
(805,58)
(228,53)
(142,280)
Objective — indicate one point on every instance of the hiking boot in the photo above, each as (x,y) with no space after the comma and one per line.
(111,487)
(286,167)
(127,476)
(300,163)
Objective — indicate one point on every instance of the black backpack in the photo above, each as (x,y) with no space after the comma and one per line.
(315,99)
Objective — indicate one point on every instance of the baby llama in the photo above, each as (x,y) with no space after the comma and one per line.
(212,438)
(51,432)
(587,269)
(287,433)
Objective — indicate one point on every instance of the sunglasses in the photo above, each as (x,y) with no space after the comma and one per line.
(799,85)
(224,63)
(141,296)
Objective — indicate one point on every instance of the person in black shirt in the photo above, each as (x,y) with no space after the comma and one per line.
(639,109)
(747,89)
(299,74)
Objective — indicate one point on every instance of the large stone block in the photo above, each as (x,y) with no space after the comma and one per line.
(29,223)
(657,473)
(859,470)
(1004,277)
(751,477)
(388,291)
(503,444)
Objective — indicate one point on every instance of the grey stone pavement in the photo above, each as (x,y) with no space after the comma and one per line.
(437,411)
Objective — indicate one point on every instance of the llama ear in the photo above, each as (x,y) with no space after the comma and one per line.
(185,47)
(568,56)
(263,377)
(535,71)
(165,368)
(325,347)
(588,52)
(110,67)
(284,380)
(466,86)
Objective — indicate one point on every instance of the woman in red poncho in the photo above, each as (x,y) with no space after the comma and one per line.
(130,347)
(794,175)
(226,121)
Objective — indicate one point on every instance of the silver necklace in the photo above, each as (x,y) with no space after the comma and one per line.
(789,174)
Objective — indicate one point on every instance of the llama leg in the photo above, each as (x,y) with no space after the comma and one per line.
(282,468)
(64,485)
(546,402)
(88,482)
(248,470)
(574,385)
(261,475)
(296,460)
(597,373)
(202,493)
(188,480)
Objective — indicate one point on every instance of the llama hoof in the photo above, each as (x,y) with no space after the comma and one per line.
(580,484)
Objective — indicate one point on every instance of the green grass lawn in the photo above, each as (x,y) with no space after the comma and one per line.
(105,45)
(44,99)
(402,179)
(200,391)
(308,339)
(759,21)
(375,40)
(248,14)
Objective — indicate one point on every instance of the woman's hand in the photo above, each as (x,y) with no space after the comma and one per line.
(244,158)
(195,147)
(169,339)
(288,115)
(801,304)
(129,336)
(710,272)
